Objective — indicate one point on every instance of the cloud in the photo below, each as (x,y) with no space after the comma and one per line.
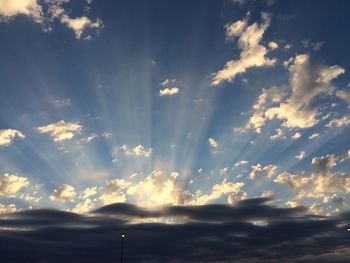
(272,45)
(237,196)
(138,150)
(213,143)
(344,95)
(253,54)
(296,136)
(240,2)
(170,87)
(317,46)
(11,184)
(158,189)
(321,181)
(324,164)
(88,192)
(316,209)
(258,119)
(5,209)
(31,8)
(114,192)
(84,206)
(241,163)
(63,194)
(7,136)
(341,122)
(308,80)
(235,29)
(169,91)
(278,135)
(45,12)
(89,138)
(259,170)
(301,155)
(232,190)
(226,235)
(61,103)
(335,199)
(314,136)
(61,131)
(288,46)
(80,24)
(165,83)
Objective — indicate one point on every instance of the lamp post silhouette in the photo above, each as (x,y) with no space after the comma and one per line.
(123,236)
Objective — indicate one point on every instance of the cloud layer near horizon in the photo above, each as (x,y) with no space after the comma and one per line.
(251,231)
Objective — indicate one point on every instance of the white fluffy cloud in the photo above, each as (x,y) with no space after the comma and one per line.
(12,8)
(114,192)
(236,196)
(307,80)
(259,170)
(169,91)
(253,54)
(61,130)
(158,189)
(232,190)
(138,150)
(84,206)
(11,184)
(80,24)
(296,136)
(297,108)
(53,10)
(321,181)
(170,87)
(63,193)
(7,136)
(258,118)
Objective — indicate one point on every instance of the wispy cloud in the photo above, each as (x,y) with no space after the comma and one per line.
(61,131)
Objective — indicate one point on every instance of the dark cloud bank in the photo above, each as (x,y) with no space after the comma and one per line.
(210,233)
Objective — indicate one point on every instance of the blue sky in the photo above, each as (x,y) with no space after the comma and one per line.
(174,103)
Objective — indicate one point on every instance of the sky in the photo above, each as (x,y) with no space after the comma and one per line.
(218,126)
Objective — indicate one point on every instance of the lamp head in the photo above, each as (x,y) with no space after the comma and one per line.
(123,235)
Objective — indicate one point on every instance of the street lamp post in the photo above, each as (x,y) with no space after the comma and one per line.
(123,236)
